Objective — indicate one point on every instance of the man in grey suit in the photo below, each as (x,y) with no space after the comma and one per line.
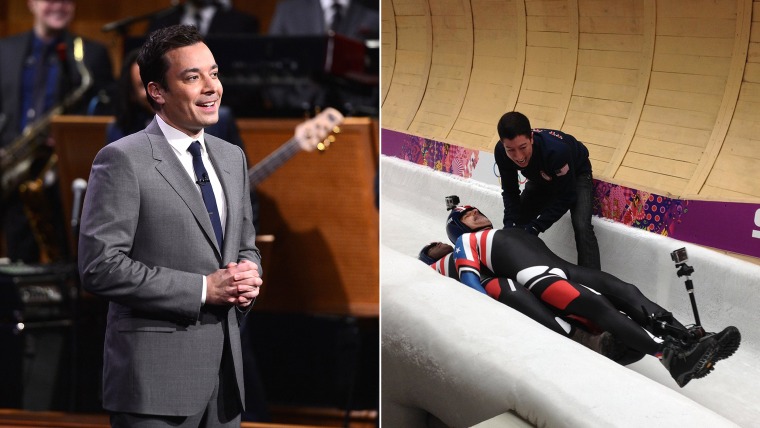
(177,270)
(351,18)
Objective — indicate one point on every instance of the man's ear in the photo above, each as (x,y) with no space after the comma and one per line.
(155,92)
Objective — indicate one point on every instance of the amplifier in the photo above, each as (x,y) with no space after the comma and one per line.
(43,291)
(36,330)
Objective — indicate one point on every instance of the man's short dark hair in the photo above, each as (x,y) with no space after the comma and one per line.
(425,257)
(513,124)
(152,57)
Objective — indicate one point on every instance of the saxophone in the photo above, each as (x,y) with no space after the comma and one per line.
(20,165)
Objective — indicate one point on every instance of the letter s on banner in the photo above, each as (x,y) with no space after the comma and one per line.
(756,233)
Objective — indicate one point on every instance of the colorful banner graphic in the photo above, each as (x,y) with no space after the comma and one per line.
(434,154)
(637,208)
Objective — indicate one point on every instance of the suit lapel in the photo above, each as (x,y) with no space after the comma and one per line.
(175,174)
(13,65)
(351,19)
(319,26)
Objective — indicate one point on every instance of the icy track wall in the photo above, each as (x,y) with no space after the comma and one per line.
(459,357)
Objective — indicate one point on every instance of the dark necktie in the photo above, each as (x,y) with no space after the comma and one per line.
(208,193)
(337,15)
(198,20)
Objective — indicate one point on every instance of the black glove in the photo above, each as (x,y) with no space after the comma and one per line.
(531,229)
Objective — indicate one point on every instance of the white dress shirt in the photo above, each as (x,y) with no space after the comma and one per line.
(192,13)
(329,12)
(179,142)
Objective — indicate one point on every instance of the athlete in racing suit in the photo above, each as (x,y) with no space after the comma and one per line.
(504,290)
(481,251)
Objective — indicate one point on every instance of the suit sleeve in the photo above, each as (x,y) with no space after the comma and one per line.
(510,188)
(466,260)
(277,26)
(248,250)
(98,62)
(559,164)
(102,69)
(109,222)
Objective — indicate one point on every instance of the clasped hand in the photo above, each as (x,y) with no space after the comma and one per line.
(238,284)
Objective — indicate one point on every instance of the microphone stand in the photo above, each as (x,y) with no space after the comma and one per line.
(123,25)
(78,188)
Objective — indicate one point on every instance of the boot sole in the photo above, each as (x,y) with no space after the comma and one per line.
(727,345)
(702,368)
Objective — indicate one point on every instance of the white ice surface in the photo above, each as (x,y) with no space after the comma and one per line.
(463,358)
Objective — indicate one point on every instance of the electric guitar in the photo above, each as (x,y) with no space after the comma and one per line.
(315,133)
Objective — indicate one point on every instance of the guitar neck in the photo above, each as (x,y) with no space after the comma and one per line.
(268,165)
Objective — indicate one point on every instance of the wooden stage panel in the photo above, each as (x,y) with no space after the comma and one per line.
(78,140)
(292,418)
(319,206)
(609,72)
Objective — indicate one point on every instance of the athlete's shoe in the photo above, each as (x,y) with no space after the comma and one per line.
(614,349)
(603,343)
(687,361)
(728,342)
(630,356)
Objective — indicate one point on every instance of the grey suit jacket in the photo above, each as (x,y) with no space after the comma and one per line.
(146,242)
(305,17)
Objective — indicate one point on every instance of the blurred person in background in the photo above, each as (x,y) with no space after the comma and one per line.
(210,17)
(357,19)
(37,72)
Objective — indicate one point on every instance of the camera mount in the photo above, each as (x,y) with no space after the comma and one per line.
(680,257)
(451,202)
(664,325)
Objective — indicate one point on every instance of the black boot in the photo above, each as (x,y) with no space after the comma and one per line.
(688,361)
(728,342)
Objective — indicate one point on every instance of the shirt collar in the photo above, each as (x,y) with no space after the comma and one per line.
(178,139)
(38,45)
(327,4)
(205,11)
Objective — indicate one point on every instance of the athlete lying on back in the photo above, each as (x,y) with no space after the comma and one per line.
(439,256)
(574,291)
